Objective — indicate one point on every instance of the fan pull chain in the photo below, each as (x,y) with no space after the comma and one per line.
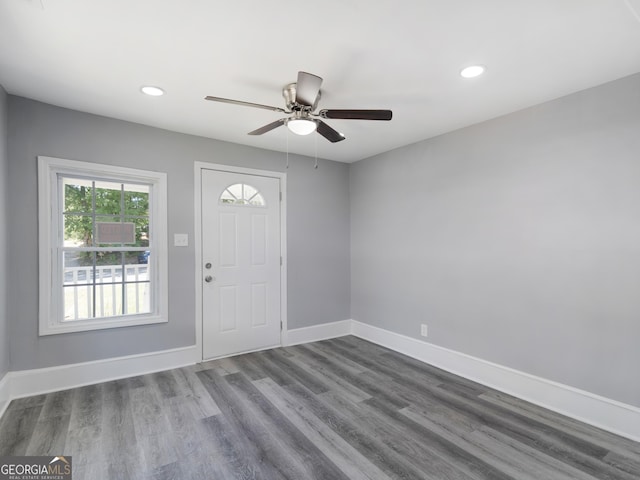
(316,145)
(287,167)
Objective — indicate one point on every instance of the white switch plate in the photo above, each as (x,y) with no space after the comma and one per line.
(180,239)
(423,330)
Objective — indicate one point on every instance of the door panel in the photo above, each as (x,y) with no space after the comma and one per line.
(241,240)
(228,308)
(258,304)
(258,240)
(228,239)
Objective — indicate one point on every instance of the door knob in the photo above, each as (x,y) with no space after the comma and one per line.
(208,279)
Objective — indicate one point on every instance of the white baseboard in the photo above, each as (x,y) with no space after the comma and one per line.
(593,409)
(586,407)
(5,394)
(317,332)
(25,383)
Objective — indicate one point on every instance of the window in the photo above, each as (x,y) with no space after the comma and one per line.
(103,247)
(242,194)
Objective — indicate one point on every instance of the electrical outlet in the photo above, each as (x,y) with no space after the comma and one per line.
(423,330)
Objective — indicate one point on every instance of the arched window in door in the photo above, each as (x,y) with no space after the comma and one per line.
(242,194)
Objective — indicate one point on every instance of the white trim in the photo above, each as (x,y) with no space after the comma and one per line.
(197,245)
(44,380)
(283,253)
(586,407)
(50,310)
(5,393)
(197,182)
(317,332)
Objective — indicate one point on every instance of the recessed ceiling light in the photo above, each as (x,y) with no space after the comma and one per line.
(153,91)
(472,71)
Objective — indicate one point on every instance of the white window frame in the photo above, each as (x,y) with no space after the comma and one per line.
(50,277)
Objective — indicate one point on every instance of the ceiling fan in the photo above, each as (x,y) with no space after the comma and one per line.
(302,100)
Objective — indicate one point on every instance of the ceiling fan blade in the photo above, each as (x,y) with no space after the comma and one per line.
(307,88)
(356,114)
(245,104)
(268,128)
(329,133)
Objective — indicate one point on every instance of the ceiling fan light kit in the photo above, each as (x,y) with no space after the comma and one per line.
(301,126)
(301,99)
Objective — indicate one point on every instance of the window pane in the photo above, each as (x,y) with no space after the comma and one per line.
(227,197)
(78,285)
(135,270)
(109,300)
(78,230)
(257,200)
(141,230)
(78,302)
(77,195)
(236,190)
(137,278)
(109,259)
(136,200)
(143,257)
(108,198)
(108,273)
(138,298)
(249,192)
(108,267)
(77,268)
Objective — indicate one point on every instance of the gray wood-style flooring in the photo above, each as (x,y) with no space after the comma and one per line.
(337,409)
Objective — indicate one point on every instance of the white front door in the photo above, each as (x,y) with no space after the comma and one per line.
(241,262)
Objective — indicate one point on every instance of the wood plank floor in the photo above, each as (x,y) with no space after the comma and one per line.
(337,409)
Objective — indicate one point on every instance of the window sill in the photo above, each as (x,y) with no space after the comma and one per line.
(100,324)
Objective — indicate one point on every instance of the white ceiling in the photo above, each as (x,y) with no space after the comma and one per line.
(94,55)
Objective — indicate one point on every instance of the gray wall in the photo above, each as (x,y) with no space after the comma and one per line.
(4,322)
(318,227)
(516,240)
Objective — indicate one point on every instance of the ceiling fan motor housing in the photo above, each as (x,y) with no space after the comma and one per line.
(289,94)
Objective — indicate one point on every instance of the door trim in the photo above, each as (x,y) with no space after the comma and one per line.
(199,271)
